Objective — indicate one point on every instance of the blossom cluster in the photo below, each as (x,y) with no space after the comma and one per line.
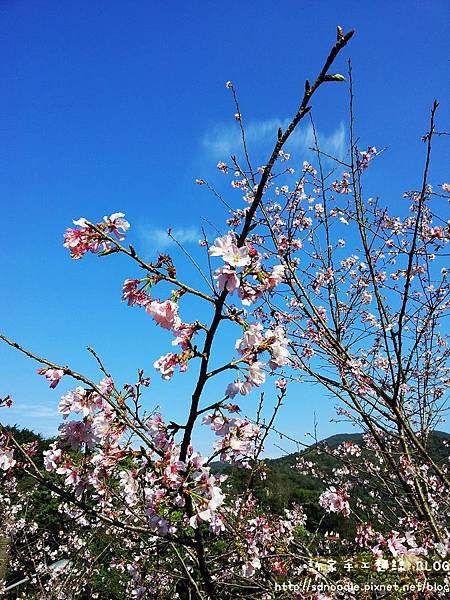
(93,238)
(247,258)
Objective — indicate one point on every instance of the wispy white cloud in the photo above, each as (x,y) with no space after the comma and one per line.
(40,417)
(224,140)
(335,144)
(157,238)
(43,411)
(34,411)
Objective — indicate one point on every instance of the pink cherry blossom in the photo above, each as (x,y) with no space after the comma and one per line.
(77,433)
(275,277)
(281,384)
(395,544)
(90,238)
(117,224)
(164,313)
(52,375)
(79,400)
(222,244)
(366,157)
(251,338)
(166,365)
(53,457)
(227,279)
(333,500)
(184,333)
(132,295)
(227,248)
(238,387)
(255,374)
(7,460)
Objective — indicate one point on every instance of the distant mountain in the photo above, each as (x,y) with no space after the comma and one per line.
(285,485)
(434,444)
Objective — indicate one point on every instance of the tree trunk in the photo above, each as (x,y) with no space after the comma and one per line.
(4,548)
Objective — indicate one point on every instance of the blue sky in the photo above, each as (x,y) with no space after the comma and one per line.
(120,105)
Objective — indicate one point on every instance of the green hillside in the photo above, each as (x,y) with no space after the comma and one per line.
(285,485)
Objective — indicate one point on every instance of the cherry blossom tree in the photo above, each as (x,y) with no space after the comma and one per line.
(321,284)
